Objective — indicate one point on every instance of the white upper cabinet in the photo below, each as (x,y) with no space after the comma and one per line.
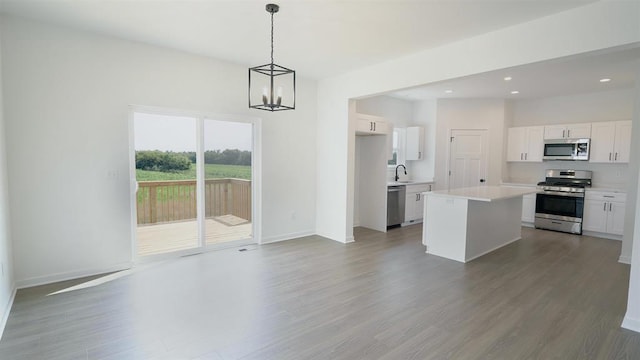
(415,143)
(568,131)
(610,142)
(525,143)
(371,125)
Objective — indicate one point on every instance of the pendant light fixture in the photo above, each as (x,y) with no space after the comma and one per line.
(272,87)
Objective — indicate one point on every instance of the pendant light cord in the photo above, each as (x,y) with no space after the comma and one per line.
(272,38)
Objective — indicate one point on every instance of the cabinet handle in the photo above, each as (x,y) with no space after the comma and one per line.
(605,207)
(616,157)
(609,156)
(568,133)
(526,155)
(374,126)
(610,204)
(521,156)
(419,154)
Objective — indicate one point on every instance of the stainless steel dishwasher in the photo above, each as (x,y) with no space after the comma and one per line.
(395,205)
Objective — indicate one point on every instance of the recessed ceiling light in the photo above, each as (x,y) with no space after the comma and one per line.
(507,78)
(605,80)
(515,92)
(448,91)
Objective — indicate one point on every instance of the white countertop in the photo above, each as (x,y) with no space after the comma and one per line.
(409,182)
(483,193)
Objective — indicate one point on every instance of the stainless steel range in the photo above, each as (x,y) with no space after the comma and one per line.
(560,200)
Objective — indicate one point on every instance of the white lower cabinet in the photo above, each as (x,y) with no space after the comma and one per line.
(414,202)
(529,208)
(604,212)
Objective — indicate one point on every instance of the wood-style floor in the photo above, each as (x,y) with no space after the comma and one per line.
(547,296)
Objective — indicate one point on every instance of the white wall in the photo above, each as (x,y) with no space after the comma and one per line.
(572,109)
(425,114)
(460,114)
(6,258)
(66,111)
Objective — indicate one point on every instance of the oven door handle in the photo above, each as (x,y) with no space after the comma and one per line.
(560,193)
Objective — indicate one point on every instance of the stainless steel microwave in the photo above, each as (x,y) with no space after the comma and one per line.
(566,149)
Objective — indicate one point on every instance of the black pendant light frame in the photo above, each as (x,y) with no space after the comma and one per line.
(272,70)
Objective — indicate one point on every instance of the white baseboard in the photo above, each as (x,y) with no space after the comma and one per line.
(624,259)
(42,280)
(349,239)
(290,236)
(412,222)
(631,324)
(7,310)
(602,235)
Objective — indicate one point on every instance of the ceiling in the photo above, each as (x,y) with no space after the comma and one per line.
(317,38)
(564,76)
(324,38)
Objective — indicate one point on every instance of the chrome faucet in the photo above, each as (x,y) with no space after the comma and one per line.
(405,171)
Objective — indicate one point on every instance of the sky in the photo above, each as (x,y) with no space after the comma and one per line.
(177,133)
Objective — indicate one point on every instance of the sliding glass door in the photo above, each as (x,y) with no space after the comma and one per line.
(165,172)
(194,180)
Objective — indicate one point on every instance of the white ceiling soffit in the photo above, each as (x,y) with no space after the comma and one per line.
(564,76)
(318,39)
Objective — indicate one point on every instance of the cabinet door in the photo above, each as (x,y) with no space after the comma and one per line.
(409,207)
(364,126)
(380,127)
(419,211)
(615,218)
(528,208)
(535,143)
(578,131)
(602,142)
(622,143)
(555,132)
(595,215)
(414,143)
(516,140)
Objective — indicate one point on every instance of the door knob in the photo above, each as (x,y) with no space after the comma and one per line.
(481,180)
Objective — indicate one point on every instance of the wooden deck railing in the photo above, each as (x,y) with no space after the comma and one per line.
(166,201)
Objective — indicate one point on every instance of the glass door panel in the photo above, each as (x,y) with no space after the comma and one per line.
(166,197)
(228,149)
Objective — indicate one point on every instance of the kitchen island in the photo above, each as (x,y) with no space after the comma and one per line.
(463,224)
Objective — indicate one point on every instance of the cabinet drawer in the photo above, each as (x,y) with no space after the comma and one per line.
(605,196)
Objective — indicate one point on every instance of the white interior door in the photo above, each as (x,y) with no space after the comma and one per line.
(468,158)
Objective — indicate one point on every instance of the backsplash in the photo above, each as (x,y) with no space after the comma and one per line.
(613,176)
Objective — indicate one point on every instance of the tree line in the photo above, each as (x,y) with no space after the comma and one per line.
(171,161)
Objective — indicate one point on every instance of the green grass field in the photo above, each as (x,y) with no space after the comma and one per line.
(211,171)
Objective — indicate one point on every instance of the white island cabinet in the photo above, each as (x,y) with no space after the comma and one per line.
(463,224)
